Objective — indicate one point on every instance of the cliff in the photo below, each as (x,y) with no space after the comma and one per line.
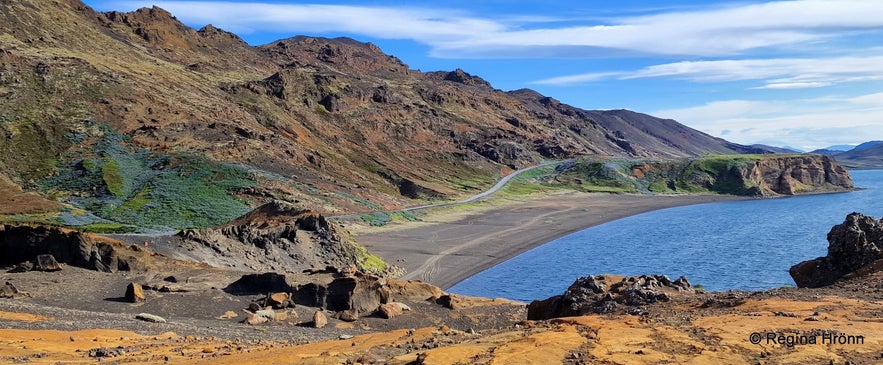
(750,175)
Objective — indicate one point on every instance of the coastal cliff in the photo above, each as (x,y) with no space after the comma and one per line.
(795,174)
(746,175)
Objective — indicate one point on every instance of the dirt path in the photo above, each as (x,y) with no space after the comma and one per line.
(452,245)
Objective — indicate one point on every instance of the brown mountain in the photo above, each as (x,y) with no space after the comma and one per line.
(123,113)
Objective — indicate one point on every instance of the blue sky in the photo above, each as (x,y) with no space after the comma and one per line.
(803,73)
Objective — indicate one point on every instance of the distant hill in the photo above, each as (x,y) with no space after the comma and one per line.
(840,147)
(867,155)
(144,121)
(773,149)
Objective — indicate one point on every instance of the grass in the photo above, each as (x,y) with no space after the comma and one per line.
(110,174)
(142,189)
(379,219)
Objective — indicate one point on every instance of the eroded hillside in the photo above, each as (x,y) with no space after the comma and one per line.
(109,111)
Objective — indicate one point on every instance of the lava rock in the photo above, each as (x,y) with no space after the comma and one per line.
(854,249)
(320,320)
(135,293)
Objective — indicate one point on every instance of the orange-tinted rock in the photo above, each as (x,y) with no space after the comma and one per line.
(135,293)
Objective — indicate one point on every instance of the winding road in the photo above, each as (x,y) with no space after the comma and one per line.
(493,189)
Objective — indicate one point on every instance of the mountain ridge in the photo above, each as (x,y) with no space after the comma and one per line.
(333,123)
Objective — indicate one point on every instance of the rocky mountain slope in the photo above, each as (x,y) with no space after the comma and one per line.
(136,120)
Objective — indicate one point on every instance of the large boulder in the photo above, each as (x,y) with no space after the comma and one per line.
(604,294)
(853,248)
(328,290)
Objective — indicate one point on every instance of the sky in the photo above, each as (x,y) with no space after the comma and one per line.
(805,73)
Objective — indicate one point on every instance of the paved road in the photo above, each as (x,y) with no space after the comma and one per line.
(493,189)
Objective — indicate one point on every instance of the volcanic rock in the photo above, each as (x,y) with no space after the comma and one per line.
(278,300)
(602,294)
(9,291)
(276,236)
(134,293)
(147,317)
(46,262)
(26,243)
(389,310)
(348,315)
(320,320)
(854,248)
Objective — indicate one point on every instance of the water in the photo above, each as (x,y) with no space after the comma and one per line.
(746,245)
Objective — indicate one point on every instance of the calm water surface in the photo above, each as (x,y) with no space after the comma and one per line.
(730,245)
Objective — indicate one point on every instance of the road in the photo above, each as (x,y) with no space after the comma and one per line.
(493,189)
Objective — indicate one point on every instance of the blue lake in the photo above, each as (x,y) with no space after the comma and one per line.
(730,245)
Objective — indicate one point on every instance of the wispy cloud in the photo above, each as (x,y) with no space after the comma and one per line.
(802,123)
(718,31)
(420,24)
(783,73)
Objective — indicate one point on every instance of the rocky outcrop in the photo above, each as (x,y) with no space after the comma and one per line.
(745,175)
(276,237)
(604,294)
(349,293)
(790,175)
(49,246)
(854,249)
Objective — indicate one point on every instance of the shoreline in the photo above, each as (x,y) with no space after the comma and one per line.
(449,246)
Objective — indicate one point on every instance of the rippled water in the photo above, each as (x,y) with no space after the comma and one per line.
(730,245)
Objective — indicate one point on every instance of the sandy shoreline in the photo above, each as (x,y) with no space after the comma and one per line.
(454,244)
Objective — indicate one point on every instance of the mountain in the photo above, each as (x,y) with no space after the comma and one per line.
(840,147)
(867,155)
(773,149)
(134,119)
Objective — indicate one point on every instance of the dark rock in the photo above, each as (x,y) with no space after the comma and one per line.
(9,291)
(46,262)
(854,249)
(25,243)
(277,237)
(135,293)
(22,267)
(592,295)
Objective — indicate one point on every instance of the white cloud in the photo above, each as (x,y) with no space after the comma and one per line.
(806,123)
(420,24)
(707,32)
(792,85)
(782,73)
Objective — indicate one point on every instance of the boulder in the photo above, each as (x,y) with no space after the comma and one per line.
(135,293)
(348,315)
(253,319)
(361,293)
(278,300)
(46,262)
(603,294)
(413,290)
(854,248)
(320,320)
(269,314)
(147,317)
(389,310)
(9,291)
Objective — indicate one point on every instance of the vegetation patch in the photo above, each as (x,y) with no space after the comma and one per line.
(132,188)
